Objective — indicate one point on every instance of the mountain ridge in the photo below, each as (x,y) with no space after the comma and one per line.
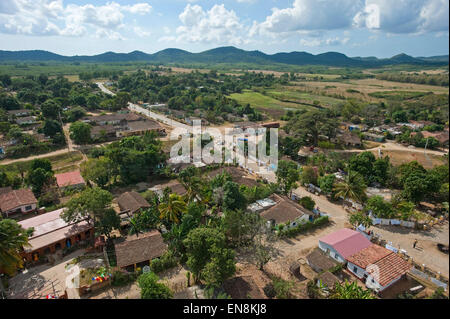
(227,54)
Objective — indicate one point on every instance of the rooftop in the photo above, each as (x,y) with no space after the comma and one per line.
(368,256)
(318,259)
(69,179)
(391,267)
(285,210)
(50,228)
(135,249)
(346,241)
(328,279)
(11,199)
(132,202)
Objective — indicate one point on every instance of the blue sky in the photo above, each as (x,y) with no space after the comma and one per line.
(379,28)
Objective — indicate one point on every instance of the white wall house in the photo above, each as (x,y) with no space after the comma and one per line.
(333,253)
(377,266)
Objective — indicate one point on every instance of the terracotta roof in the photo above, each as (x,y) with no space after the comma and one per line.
(243,287)
(346,241)
(318,259)
(391,267)
(15,198)
(135,249)
(328,279)
(285,210)
(368,256)
(98,129)
(132,202)
(69,179)
(348,137)
(4,190)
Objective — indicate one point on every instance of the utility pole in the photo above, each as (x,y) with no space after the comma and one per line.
(2,289)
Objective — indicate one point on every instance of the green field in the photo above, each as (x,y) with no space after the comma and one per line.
(296,96)
(267,104)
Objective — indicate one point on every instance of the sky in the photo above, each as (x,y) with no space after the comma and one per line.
(380,28)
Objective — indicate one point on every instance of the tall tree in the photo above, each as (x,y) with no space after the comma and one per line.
(90,204)
(353,187)
(173,208)
(12,239)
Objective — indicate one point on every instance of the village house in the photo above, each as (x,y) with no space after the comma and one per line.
(348,139)
(20,201)
(103,131)
(374,137)
(26,120)
(52,234)
(70,180)
(320,262)
(174,186)
(131,202)
(112,119)
(19,113)
(441,137)
(377,266)
(286,211)
(140,128)
(343,243)
(139,250)
(327,281)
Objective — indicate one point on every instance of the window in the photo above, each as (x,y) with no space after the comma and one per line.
(28,207)
(355,269)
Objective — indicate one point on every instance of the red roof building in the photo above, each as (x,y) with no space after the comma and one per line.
(70,179)
(377,266)
(343,243)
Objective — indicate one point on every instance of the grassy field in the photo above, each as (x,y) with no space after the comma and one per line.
(297,96)
(273,107)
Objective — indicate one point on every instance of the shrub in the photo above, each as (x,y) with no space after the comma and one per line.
(166,261)
(301,228)
(307,202)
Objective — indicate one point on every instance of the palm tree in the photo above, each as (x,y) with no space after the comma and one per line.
(350,291)
(353,187)
(172,208)
(360,218)
(12,239)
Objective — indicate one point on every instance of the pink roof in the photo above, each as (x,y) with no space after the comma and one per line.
(50,228)
(69,179)
(346,241)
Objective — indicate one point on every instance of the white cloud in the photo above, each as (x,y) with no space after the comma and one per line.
(52,17)
(217,25)
(407,16)
(399,16)
(310,15)
(324,42)
(141,32)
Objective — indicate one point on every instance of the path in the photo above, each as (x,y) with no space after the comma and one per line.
(392,146)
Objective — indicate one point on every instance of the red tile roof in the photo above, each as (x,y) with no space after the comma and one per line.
(368,256)
(16,198)
(69,179)
(390,267)
(346,241)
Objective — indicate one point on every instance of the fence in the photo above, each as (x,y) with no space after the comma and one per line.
(385,221)
(430,277)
